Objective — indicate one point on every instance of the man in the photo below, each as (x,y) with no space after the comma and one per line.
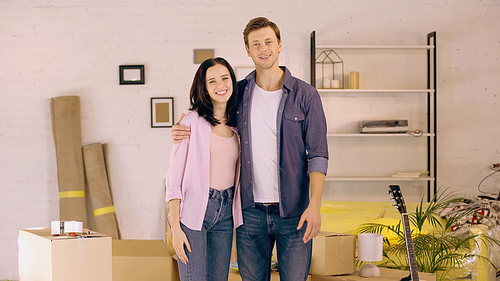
(283,151)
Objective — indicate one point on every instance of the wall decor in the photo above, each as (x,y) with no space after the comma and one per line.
(162,112)
(242,71)
(332,69)
(200,55)
(131,74)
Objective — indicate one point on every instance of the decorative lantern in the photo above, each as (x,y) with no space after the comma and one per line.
(332,70)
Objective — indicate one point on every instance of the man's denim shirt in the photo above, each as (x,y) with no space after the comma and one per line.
(301,140)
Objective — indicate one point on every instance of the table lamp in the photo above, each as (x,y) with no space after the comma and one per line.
(370,249)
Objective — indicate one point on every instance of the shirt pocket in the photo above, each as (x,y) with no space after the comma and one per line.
(292,123)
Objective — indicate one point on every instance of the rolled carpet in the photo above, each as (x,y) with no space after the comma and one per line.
(99,190)
(66,129)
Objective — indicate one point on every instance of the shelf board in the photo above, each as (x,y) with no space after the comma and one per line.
(424,47)
(390,135)
(377,179)
(375,90)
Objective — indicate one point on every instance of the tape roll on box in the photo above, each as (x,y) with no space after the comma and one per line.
(73,227)
(57,227)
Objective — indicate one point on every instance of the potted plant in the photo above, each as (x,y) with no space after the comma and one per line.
(439,251)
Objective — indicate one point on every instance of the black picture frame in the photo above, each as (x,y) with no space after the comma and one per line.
(132,74)
(162,112)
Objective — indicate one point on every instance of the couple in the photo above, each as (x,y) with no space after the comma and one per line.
(282,130)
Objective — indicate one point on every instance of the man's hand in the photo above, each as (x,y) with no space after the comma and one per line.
(313,212)
(178,132)
(313,217)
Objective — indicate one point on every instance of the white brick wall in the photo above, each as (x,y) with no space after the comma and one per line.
(52,48)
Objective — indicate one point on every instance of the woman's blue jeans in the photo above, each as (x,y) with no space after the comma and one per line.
(262,227)
(211,247)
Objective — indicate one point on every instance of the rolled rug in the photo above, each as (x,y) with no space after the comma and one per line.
(66,129)
(99,190)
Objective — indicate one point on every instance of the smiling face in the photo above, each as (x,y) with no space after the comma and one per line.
(264,48)
(219,84)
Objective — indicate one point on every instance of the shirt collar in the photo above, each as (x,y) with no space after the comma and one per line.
(287,83)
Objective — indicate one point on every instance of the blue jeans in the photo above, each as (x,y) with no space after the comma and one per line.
(255,239)
(211,247)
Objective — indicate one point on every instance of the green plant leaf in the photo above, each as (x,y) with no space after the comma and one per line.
(436,252)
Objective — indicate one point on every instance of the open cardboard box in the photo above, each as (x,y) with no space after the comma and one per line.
(44,257)
(143,260)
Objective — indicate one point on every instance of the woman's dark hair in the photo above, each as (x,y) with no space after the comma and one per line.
(200,100)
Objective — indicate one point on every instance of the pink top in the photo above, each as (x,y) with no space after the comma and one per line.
(224,154)
(188,176)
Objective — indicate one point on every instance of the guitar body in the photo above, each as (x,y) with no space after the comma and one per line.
(395,191)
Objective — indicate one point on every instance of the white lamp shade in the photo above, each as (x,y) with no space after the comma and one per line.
(370,246)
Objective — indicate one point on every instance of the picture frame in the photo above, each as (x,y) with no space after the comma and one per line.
(162,112)
(132,74)
(242,71)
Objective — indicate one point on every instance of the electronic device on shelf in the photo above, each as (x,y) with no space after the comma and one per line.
(383,126)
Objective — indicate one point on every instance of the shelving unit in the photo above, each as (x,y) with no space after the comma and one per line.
(430,99)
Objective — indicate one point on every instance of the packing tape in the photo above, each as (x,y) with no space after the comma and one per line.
(57,227)
(105,210)
(73,227)
(71,194)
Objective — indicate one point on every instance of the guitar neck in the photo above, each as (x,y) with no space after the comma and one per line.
(412,261)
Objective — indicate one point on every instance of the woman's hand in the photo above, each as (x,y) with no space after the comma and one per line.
(179,239)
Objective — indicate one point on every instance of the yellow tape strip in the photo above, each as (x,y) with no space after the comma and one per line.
(71,194)
(105,210)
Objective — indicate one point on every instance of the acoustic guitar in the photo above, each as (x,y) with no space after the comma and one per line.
(397,196)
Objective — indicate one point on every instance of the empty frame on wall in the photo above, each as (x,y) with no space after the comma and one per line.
(131,74)
(162,112)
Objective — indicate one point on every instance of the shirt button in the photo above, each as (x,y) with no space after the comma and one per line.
(295,118)
(245,123)
(248,162)
(246,142)
(245,104)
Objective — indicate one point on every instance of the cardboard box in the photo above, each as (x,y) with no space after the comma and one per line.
(386,274)
(235,276)
(143,260)
(44,257)
(333,254)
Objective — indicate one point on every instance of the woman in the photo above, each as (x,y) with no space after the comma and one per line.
(203,180)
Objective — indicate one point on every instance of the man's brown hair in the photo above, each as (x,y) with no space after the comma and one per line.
(258,23)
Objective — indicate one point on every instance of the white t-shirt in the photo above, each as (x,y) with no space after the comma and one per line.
(263,116)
